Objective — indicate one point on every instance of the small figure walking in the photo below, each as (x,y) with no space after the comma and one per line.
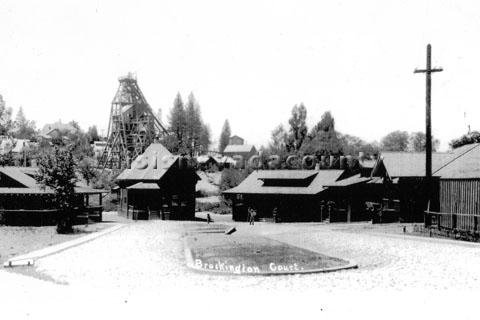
(209,219)
(275,214)
(251,214)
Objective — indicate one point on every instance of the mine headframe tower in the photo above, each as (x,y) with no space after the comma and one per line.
(132,126)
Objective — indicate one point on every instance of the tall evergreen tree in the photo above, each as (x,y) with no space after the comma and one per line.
(205,139)
(194,125)
(23,128)
(176,142)
(224,136)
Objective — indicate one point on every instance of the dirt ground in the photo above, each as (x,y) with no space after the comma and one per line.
(141,269)
(19,240)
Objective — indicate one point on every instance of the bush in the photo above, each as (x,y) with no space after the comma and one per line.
(232,178)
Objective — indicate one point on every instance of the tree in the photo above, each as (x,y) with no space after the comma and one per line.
(92,134)
(418,142)
(177,127)
(205,139)
(7,159)
(23,128)
(224,136)
(469,138)
(86,168)
(323,139)
(278,141)
(395,141)
(298,128)
(6,123)
(194,125)
(352,145)
(57,171)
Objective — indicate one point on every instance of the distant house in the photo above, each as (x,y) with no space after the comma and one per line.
(21,145)
(55,131)
(244,151)
(293,195)
(98,148)
(225,162)
(24,202)
(158,184)
(236,140)
(206,162)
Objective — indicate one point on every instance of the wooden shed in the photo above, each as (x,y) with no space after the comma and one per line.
(158,185)
(459,208)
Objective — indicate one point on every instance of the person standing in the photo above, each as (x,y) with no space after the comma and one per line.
(252,215)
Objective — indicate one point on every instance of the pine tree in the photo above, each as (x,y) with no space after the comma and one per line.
(194,125)
(224,136)
(176,142)
(205,138)
(23,128)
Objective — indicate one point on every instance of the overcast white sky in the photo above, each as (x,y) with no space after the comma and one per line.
(248,61)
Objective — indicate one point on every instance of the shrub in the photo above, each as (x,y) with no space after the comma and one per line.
(232,178)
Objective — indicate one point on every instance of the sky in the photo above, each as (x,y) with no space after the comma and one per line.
(247,61)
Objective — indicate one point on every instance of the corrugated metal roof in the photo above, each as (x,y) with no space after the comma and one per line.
(254,185)
(465,164)
(412,164)
(241,148)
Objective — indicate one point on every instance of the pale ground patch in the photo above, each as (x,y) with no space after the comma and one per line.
(209,183)
(398,276)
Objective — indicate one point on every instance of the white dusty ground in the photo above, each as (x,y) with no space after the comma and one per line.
(144,262)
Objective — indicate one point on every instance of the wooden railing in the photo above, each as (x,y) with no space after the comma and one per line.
(465,225)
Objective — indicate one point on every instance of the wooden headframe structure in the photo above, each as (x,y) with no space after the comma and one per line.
(132,127)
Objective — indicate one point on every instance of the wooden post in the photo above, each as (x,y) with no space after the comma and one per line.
(428,121)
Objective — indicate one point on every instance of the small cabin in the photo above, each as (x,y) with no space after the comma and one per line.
(158,185)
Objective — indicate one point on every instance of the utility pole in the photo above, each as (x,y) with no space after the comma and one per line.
(428,119)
